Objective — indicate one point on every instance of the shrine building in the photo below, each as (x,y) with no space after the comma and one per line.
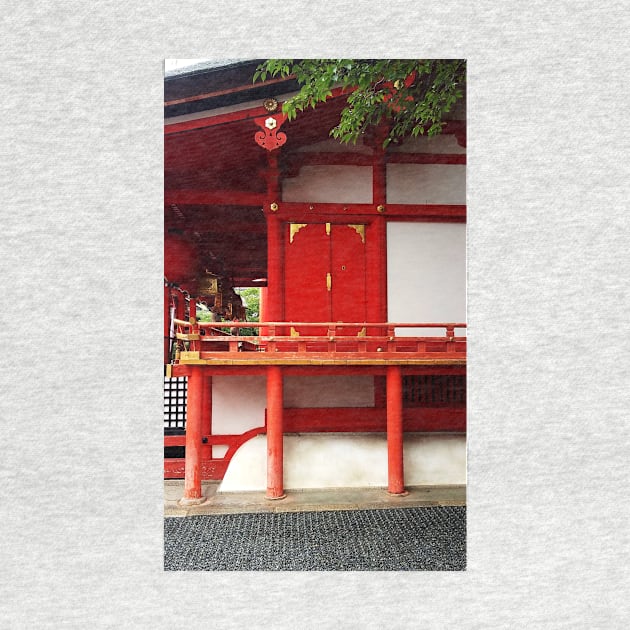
(355,372)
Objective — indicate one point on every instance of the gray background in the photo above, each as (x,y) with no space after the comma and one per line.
(81,268)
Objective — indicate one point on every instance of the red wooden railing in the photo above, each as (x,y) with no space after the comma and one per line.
(374,340)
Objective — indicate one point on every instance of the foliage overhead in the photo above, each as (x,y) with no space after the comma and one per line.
(409,96)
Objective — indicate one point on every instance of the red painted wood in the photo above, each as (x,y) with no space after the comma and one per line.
(213,197)
(180,259)
(211,469)
(275,481)
(321,158)
(213,121)
(318,370)
(307,261)
(180,306)
(270,137)
(231,90)
(275,278)
(167,323)
(379,172)
(395,472)
(426,158)
(348,267)
(437,212)
(192,484)
(311,254)
(206,418)
(360,159)
(242,114)
(360,212)
(272,177)
(380,392)
(341,419)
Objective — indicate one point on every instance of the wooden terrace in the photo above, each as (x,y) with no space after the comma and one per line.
(318,343)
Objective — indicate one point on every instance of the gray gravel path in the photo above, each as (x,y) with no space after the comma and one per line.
(403,539)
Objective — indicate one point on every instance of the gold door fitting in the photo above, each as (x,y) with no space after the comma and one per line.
(328,281)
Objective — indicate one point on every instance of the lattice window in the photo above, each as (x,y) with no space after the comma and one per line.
(434,390)
(175,404)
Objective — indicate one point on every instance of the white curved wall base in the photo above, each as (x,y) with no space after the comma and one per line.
(328,460)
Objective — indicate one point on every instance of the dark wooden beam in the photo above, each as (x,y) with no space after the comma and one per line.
(213,197)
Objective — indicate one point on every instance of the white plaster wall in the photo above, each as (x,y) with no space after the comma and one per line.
(349,460)
(426,274)
(444,143)
(426,183)
(330,184)
(238,404)
(329,391)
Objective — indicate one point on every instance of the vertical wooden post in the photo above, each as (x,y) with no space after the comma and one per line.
(378,262)
(206,413)
(274,308)
(275,482)
(194,412)
(262,316)
(395,472)
(180,311)
(192,309)
(167,324)
(275,301)
(379,168)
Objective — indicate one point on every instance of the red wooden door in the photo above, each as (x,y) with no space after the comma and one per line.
(325,275)
(348,294)
(306,263)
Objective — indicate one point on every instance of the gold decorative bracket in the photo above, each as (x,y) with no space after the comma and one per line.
(294,333)
(294,228)
(328,281)
(362,332)
(328,229)
(359,229)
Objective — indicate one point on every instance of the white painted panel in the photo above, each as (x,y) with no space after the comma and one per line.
(349,461)
(329,391)
(238,403)
(330,184)
(426,274)
(426,183)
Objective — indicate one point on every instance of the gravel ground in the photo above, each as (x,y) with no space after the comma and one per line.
(403,539)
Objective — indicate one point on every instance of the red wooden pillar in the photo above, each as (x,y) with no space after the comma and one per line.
(274,307)
(180,311)
(192,310)
(274,302)
(206,408)
(395,473)
(194,415)
(167,324)
(379,168)
(275,482)
(378,251)
(262,315)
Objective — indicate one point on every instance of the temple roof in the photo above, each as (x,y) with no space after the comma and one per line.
(217,83)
